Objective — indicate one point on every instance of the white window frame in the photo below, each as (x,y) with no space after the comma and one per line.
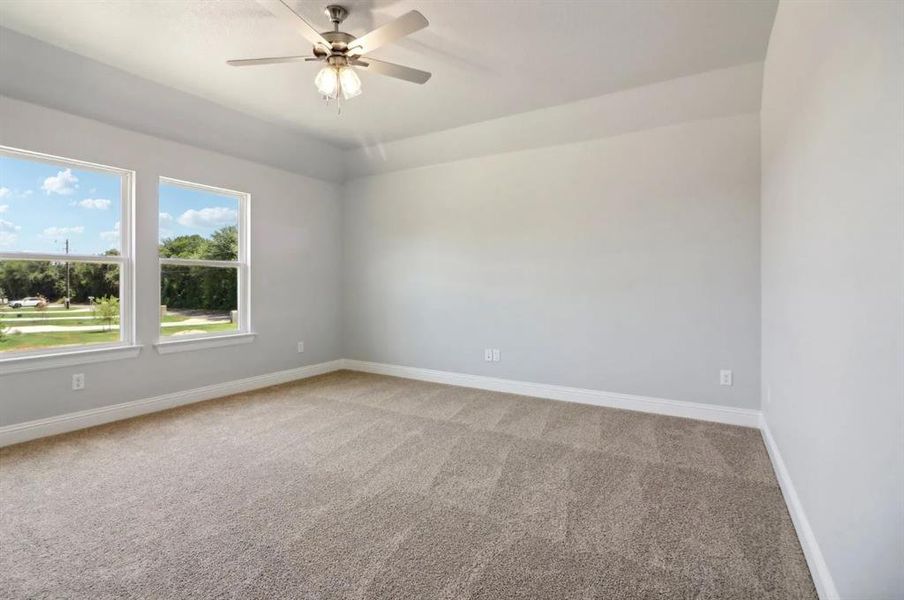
(244,333)
(44,358)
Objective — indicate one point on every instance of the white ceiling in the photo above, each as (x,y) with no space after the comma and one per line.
(488,58)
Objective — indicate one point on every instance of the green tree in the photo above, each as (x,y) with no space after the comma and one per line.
(220,285)
(200,287)
(223,244)
(40,278)
(21,278)
(94,279)
(184,246)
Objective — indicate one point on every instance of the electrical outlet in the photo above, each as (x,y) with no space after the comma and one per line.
(496,355)
(300,347)
(78,381)
(488,354)
(724,377)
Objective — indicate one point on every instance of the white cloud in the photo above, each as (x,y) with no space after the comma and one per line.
(166,217)
(55,232)
(213,216)
(4,192)
(111,236)
(8,234)
(63,183)
(98,203)
(4,208)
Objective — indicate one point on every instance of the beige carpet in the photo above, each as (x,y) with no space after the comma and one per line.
(359,486)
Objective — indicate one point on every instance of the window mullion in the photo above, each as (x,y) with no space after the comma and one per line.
(63,258)
(199,262)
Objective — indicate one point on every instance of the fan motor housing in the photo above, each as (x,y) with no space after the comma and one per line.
(338,39)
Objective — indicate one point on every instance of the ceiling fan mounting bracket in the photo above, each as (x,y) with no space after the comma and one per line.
(336,14)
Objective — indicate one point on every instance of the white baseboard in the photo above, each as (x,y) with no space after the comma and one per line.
(22,432)
(692,410)
(819,569)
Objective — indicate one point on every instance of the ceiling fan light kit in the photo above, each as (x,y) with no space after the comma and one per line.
(333,81)
(343,53)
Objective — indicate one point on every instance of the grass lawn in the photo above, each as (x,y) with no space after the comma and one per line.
(34,341)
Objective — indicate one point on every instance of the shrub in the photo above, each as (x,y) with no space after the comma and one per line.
(107,309)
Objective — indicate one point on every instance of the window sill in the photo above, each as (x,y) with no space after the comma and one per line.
(204,343)
(23,364)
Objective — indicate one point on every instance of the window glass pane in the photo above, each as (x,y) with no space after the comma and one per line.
(45,207)
(198,223)
(33,314)
(198,300)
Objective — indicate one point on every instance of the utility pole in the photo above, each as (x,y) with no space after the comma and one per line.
(67,274)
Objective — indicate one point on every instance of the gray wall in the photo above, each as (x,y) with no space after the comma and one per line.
(833,293)
(295,223)
(626,264)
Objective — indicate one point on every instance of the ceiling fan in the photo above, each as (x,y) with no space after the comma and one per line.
(342,52)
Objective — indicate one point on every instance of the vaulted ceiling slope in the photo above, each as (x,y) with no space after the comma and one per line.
(720,93)
(43,74)
(489,58)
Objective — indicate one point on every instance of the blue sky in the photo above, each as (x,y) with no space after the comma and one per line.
(42,205)
(187,211)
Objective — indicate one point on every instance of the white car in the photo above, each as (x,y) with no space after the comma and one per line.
(24,302)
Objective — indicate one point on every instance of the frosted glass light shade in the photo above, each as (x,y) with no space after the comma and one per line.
(349,82)
(327,82)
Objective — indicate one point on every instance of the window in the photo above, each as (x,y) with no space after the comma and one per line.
(65,255)
(204,267)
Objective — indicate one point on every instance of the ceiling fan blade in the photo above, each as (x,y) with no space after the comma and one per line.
(283,12)
(392,70)
(408,23)
(250,62)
